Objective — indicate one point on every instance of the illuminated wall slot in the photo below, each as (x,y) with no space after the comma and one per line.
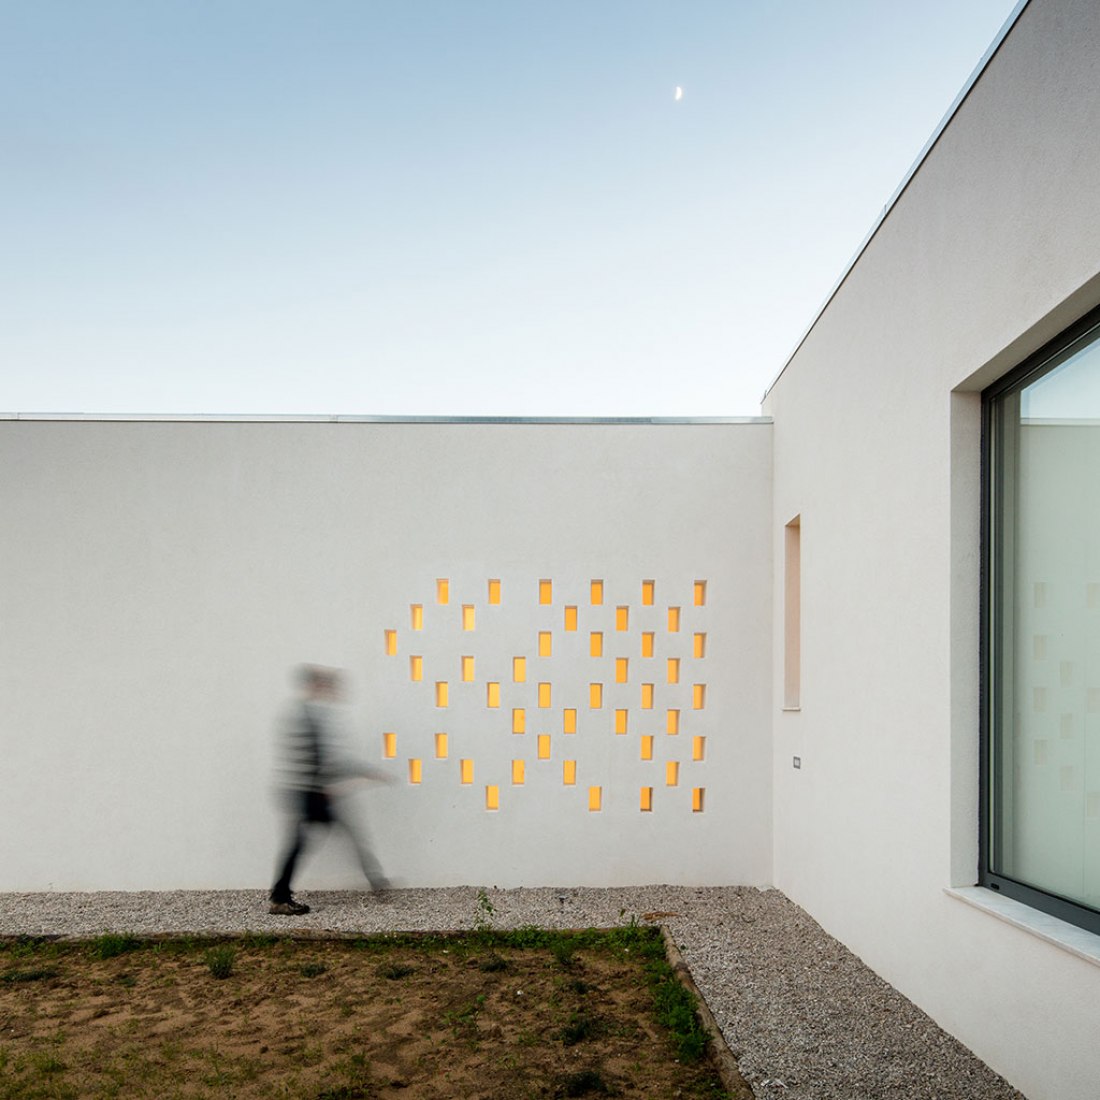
(391,643)
(596,593)
(673,620)
(546,592)
(492,694)
(700,649)
(442,591)
(698,748)
(647,747)
(595,798)
(595,696)
(571,618)
(698,696)
(698,794)
(674,670)
(646,801)
(389,745)
(441,746)
(544,746)
(569,773)
(466,772)
(647,643)
(621,721)
(468,669)
(595,644)
(492,798)
(622,618)
(494,592)
(672,774)
(416,615)
(544,695)
(517,773)
(647,696)
(519,669)
(672,722)
(700,593)
(648,588)
(546,643)
(416,668)
(519,720)
(622,670)
(415,771)
(469,617)
(569,721)
(442,692)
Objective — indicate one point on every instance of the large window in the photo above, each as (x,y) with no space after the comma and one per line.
(1041,747)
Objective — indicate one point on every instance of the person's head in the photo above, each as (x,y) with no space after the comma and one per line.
(318,682)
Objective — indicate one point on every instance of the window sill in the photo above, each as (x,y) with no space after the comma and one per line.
(791,710)
(1085,945)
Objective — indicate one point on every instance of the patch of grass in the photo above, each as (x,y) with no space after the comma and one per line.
(676,1011)
(492,963)
(578,1027)
(111,944)
(220,960)
(37,974)
(395,971)
(313,970)
(584,1082)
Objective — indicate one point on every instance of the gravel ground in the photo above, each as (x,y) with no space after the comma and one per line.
(804,1017)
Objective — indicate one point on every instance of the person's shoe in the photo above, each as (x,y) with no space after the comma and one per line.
(289,908)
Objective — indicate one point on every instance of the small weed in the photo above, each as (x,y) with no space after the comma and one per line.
(257,940)
(219,960)
(492,964)
(38,974)
(563,951)
(111,944)
(396,971)
(466,1016)
(579,1027)
(313,970)
(126,979)
(585,1082)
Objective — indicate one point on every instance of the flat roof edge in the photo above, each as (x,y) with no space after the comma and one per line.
(260,418)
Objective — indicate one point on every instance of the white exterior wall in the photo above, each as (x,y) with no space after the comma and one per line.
(992,249)
(158,581)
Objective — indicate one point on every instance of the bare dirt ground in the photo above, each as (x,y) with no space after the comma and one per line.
(440,1017)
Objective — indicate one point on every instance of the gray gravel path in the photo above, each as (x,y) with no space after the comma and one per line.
(804,1017)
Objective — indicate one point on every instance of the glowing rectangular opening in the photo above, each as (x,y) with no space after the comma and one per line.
(700,593)
(494,592)
(466,772)
(621,721)
(622,670)
(389,745)
(546,592)
(622,618)
(697,796)
(492,694)
(698,748)
(571,618)
(442,590)
(441,746)
(546,643)
(442,692)
(596,593)
(517,773)
(698,696)
(674,670)
(646,802)
(647,643)
(415,771)
(672,722)
(544,695)
(416,668)
(595,696)
(700,649)
(648,588)
(416,615)
(492,798)
(544,746)
(519,720)
(519,670)
(673,620)
(647,696)
(647,747)
(391,643)
(569,721)
(569,773)
(595,644)
(595,798)
(469,616)
(672,774)
(468,669)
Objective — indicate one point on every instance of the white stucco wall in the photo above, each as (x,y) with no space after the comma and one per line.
(992,249)
(159,581)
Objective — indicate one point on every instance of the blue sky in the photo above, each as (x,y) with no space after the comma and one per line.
(474,207)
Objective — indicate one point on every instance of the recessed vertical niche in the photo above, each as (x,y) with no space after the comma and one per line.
(648,591)
(672,774)
(698,696)
(441,746)
(544,695)
(672,722)
(518,773)
(595,798)
(442,693)
(622,618)
(468,670)
(519,720)
(792,613)
(674,670)
(621,718)
(647,747)
(595,591)
(442,591)
(595,696)
(622,670)
(494,592)
(469,616)
(569,773)
(546,643)
(492,798)
(595,644)
(698,796)
(673,620)
(415,771)
(519,670)
(569,720)
(492,694)
(647,696)
(416,616)
(571,618)
(699,591)
(698,748)
(544,746)
(466,772)
(647,643)
(700,645)
(645,803)
(391,643)
(389,745)
(416,668)
(546,592)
